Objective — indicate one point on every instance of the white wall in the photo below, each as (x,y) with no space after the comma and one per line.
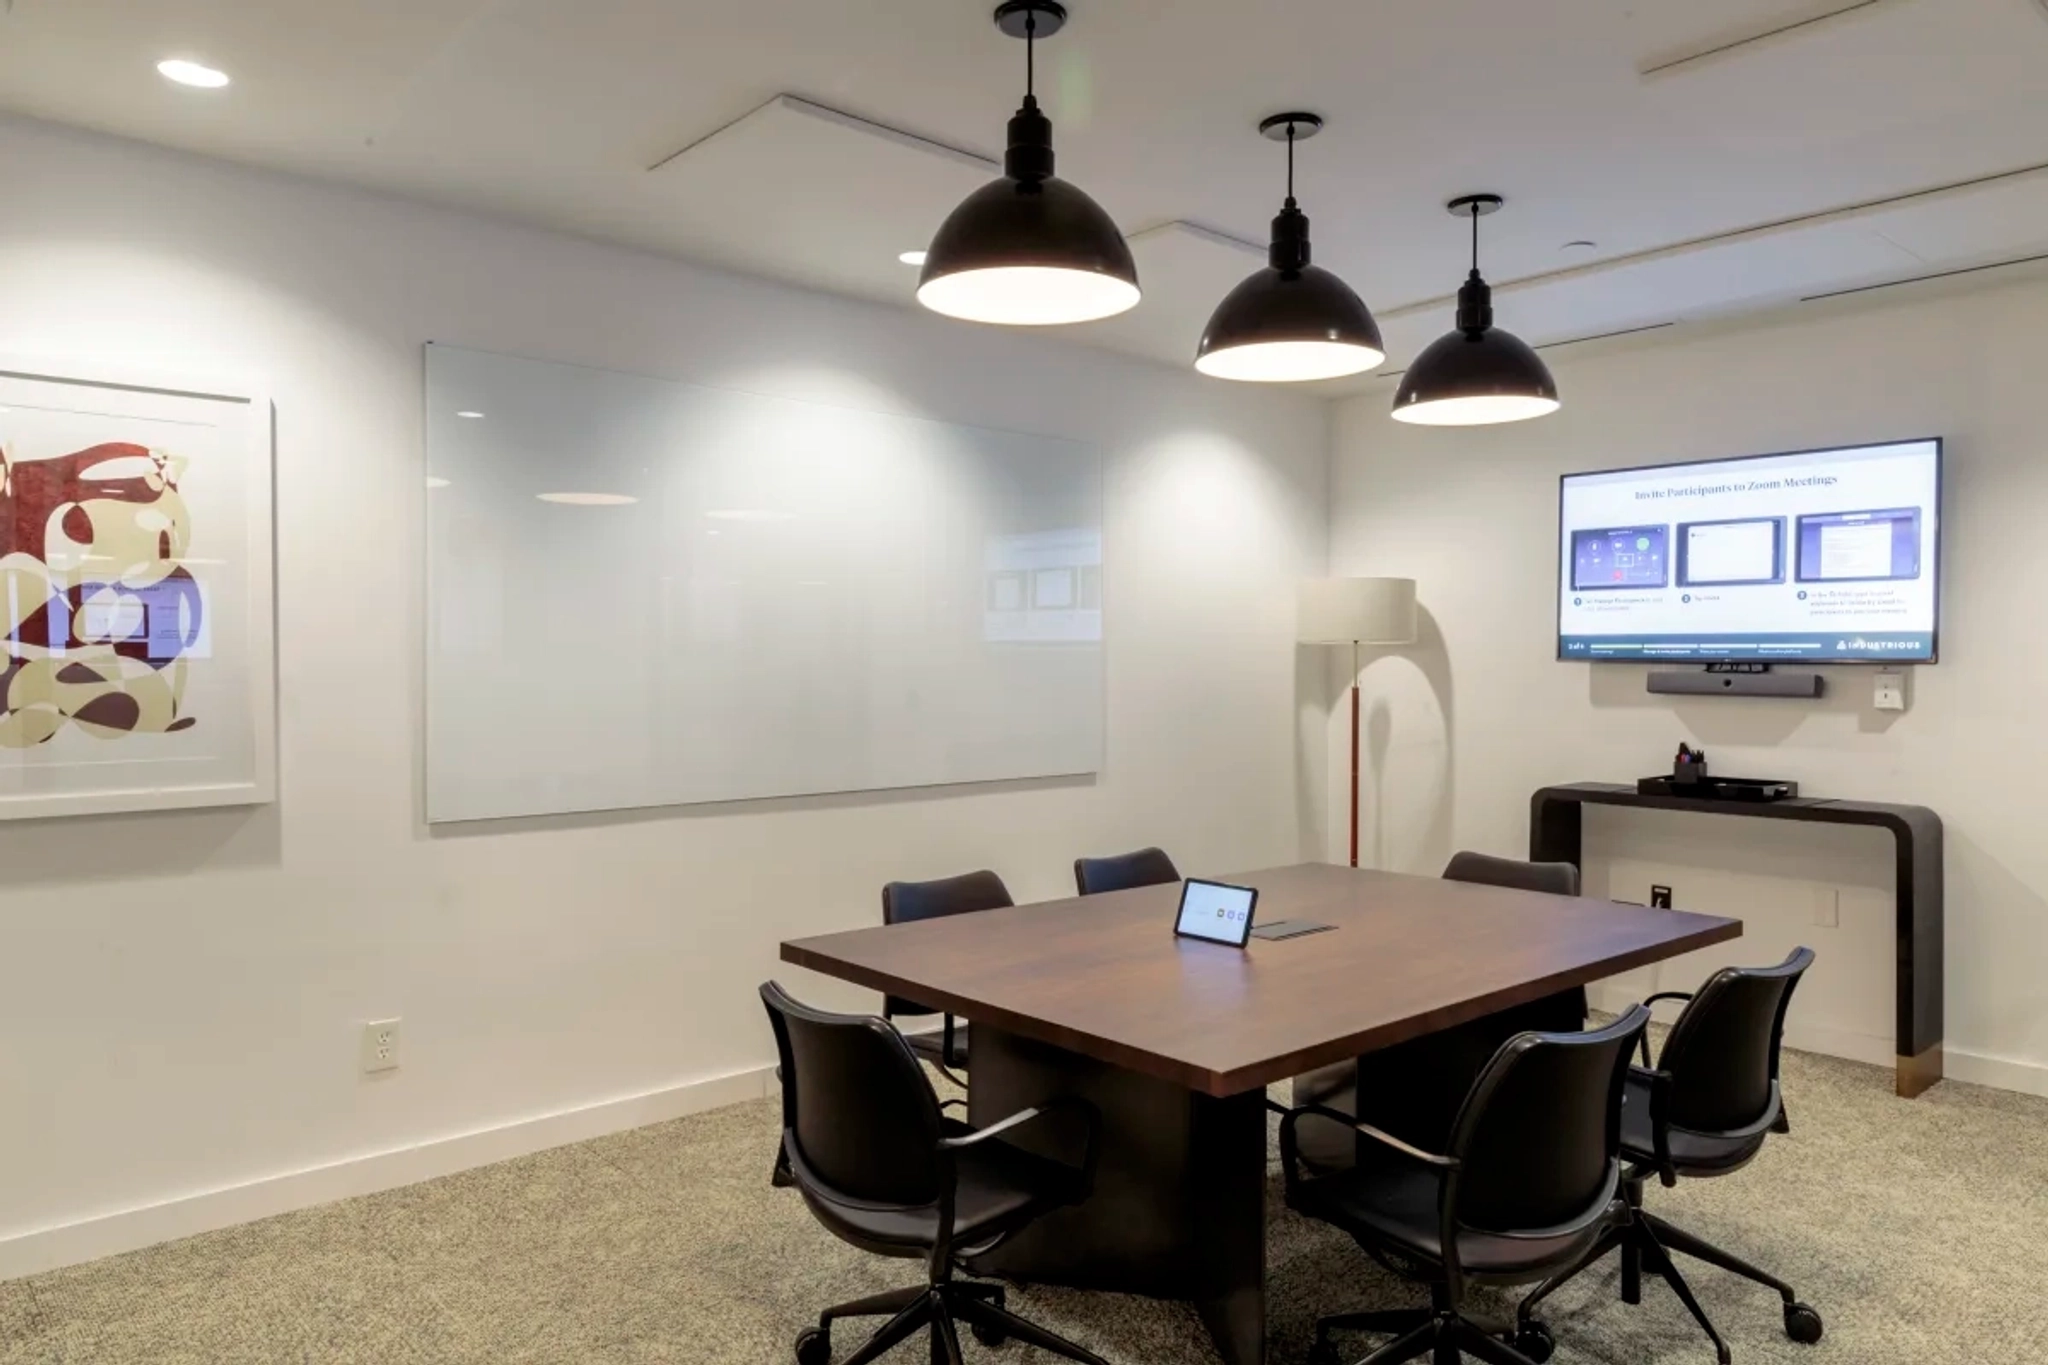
(1479,716)
(180,994)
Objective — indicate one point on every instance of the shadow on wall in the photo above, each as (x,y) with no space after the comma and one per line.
(1989,902)
(97,848)
(1408,756)
(759,805)
(1741,721)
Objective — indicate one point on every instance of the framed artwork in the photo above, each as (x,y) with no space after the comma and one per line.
(138,670)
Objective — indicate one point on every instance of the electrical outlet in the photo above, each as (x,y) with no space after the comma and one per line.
(1827,907)
(380,1046)
(1888,692)
(1660,898)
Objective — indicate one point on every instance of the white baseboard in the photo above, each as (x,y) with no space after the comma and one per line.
(1958,1064)
(49,1248)
(2002,1073)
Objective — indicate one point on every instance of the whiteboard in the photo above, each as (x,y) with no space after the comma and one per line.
(646,593)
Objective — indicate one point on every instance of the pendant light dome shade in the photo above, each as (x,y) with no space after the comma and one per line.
(1030,249)
(1478,374)
(1292,321)
(1028,253)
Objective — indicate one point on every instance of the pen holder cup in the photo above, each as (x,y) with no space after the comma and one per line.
(1685,773)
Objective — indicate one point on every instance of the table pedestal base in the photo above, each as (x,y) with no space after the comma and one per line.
(1179,1209)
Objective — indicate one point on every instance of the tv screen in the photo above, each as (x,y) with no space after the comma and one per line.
(1824,556)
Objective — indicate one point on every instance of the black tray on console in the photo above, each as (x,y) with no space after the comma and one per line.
(1718,788)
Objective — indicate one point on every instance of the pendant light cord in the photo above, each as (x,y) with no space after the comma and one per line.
(1031,57)
(1475,241)
(1290,163)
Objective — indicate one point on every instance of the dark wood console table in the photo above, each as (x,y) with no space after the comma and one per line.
(1554,828)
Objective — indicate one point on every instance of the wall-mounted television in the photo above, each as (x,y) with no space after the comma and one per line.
(1819,556)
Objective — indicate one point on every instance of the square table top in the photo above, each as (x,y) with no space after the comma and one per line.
(1105,976)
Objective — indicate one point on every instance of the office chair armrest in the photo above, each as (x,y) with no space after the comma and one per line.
(1442,1163)
(1067,1103)
(1643,1038)
(1290,1150)
(1660,1117)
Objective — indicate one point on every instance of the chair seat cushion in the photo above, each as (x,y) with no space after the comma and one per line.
(1389,1205)
(1698,1154)
(931,1046)
(1000,1189)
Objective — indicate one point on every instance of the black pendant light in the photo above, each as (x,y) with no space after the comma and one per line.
(1291,321)
(1028,249)
(1477,374)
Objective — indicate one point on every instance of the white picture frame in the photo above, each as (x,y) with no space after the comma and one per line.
(138,504)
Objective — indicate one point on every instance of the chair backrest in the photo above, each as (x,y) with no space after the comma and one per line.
(858,1116)
(1539,1136)
(1723,1051)
(1146,867)
(903,902)
(1558,879)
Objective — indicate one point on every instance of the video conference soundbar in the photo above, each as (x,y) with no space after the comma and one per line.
(1738,684)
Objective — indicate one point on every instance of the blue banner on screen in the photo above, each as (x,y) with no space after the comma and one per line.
(1826,556)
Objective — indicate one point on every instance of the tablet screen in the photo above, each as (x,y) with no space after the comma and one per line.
(1219,913)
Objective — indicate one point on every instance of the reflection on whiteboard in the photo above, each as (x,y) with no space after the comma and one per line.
(1045,587)
(648,593)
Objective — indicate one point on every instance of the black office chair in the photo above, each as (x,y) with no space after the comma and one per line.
(1528,1183)
(1414,1089)
(1146,867)
(903,902)
(1704,1111)
(885,1171)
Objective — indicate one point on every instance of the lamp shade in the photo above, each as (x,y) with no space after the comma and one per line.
(1474,379)
(1367,611)
(1028,251)
(1288,325)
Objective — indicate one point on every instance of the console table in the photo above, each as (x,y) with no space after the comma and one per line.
(1554,837)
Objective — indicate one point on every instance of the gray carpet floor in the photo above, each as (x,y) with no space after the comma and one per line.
(1920,1230)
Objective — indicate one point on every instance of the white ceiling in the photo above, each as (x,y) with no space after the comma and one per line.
(704,129)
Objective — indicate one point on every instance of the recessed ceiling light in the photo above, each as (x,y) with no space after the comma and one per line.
(192,73)
(911,257)
(1580,247)
(435,481)
(472,415)
(588,499)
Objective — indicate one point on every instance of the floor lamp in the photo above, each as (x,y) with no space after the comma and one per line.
(1356,612)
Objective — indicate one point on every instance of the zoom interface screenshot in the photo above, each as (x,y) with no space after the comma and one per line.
(1815,557)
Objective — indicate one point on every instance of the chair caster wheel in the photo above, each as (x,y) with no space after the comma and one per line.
(1802,1324)
(1534,1340)
(990,1336)
(814,1347)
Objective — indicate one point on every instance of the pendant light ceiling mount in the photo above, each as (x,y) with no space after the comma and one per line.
(1478,374)
(1029,249)
(1292,321)
(1029,19)
(1291,127)
(1474,205)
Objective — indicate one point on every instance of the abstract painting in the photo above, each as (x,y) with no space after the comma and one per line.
(135,640)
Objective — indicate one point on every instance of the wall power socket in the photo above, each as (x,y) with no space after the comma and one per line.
(380,1046)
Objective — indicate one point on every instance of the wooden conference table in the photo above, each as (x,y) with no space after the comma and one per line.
(1175,1040)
